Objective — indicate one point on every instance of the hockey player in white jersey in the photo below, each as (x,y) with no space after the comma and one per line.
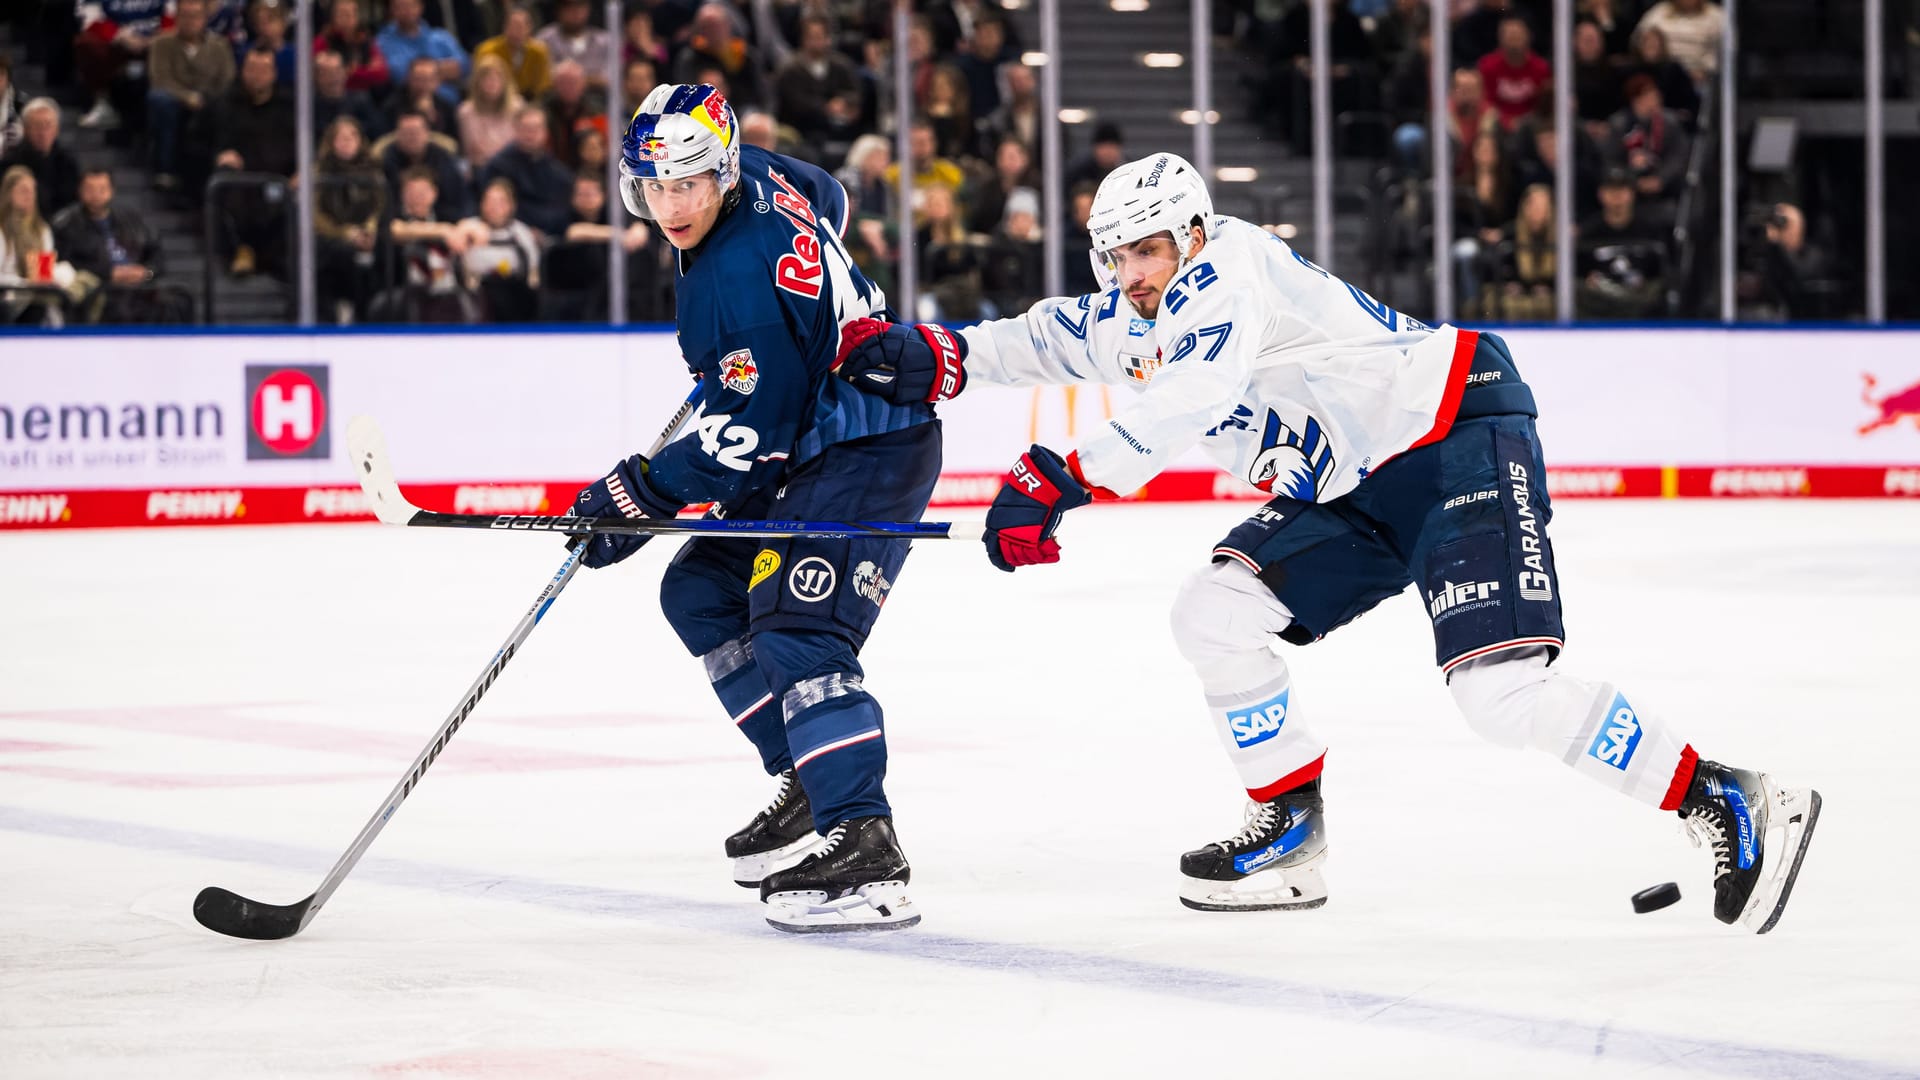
(1396,454)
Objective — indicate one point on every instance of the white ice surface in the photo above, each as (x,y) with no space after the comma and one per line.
(185,707)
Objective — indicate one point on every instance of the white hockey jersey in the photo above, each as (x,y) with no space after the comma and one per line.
(1292,379)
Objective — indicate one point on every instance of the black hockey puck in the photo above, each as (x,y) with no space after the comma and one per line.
(1665,894)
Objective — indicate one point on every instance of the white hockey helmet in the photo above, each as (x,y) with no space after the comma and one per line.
(1156,194)
(679,131)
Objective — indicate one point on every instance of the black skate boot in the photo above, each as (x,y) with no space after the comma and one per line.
(855,880)
(776,838)
(1759,834)
(1272,864)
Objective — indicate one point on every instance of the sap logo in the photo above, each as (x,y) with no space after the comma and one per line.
(812,579)
(1453,596)
(1462,500)
(1260,723)
(1619,735)
(1139,327)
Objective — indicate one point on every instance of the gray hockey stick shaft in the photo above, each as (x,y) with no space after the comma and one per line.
(229,913)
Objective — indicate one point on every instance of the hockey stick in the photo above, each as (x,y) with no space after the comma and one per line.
(368,449)
(234,915)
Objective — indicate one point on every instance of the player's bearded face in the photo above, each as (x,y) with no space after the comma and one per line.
(1143,269)
(684,207)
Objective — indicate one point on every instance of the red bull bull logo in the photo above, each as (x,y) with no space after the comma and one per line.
(1893,408)
(653,148)
(738,372)
(716,107)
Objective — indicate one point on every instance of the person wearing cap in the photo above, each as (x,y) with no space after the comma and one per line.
(1622,256)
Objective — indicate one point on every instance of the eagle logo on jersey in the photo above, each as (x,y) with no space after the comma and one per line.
(738,372)
(1295,464)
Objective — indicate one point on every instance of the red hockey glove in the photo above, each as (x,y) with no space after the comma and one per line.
(903,364)
(1021,524)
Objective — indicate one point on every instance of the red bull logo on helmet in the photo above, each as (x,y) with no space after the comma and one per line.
(715,108)
(653,148)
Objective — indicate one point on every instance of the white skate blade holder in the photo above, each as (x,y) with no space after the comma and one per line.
(1293,889)
(750,870)
(881,905)
(1791,815)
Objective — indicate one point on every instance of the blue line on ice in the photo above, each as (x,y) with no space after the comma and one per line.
(1280,996)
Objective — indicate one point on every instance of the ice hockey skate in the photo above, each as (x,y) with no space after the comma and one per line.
(776,838)
(1758,833)
(1273,863)
(855,880)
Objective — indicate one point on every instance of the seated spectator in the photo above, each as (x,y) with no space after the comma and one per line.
(349,199)
(1077,273)
(1513,75)
(367,69)
(1616,30)
(947,107)
(1525,292)
(1105,154)
(227,20)
(116,246)
(642,42)
(1650,59)
(1651,142)
(1536,159)
(1468,114)
(1480,207)
(28,255)
(56,172)
(253,132)
(1286,90)
(1408,93)
(929,169)
(1693,29)
(406,39)
(542,187)
(486,117)
(1597,82)
(1397,33)
(413,147)
(429,245)
(571,107)
(715,42)
(570,38)
(639,78)
(190,69)
(13,101)
(502,261)
(114,34)
(334,98)
(819,89)
(268,30)
(590,150)
(1622,256)
(420,93)
(866,176)
(575,271)
(527,60)
(986,50)
(1016,258)
(1012,171)
(588,211)
(1018,116)
(951,264)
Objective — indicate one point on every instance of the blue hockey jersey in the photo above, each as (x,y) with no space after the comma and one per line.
(760,306)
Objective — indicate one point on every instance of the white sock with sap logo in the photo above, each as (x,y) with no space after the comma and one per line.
(1225,621)
(1515,700)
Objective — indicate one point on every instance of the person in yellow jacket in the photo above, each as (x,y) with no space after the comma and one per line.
(527,59)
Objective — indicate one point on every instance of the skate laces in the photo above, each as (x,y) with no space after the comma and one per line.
(834,836)
(779,797)
(1706,826)
(1260,818)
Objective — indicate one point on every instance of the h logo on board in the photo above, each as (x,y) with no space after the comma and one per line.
(287,412)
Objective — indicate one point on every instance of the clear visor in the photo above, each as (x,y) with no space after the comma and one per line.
(669,199)
(1128,264)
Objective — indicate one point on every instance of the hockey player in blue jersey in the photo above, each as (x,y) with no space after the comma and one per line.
(764,285)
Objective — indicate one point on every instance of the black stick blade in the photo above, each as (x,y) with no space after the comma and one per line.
(234,915)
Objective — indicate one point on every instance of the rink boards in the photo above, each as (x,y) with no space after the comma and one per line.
(117,430)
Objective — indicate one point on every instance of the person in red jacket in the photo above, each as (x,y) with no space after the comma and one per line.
(366,65)
(1515,75)
(113,34)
